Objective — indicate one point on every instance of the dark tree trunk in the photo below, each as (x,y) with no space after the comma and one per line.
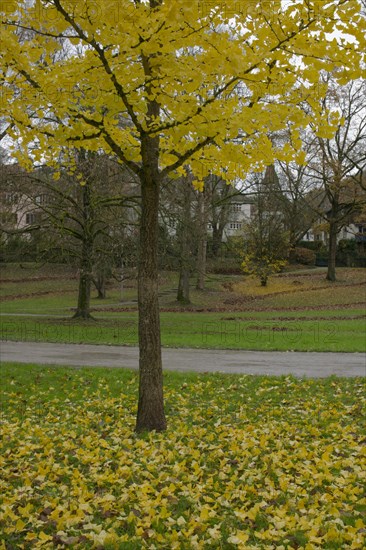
(86,263)
(202,242)
(333,230)
(185,241)
(216,240)
(101,293)
(103,272)
(150,411)
(220,208)
(85,278)
(150,414)
(201,263)
(183,286)
(100,282)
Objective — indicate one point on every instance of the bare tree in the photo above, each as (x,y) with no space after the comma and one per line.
(293,200)
(81,213)
(338,165)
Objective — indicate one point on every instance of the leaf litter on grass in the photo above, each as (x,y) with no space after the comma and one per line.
(247,462)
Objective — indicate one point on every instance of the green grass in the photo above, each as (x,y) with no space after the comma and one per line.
(247,462)
(200,330)
(298,311)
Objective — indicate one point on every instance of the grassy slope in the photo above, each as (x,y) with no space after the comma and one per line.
(299,311)
(247,462)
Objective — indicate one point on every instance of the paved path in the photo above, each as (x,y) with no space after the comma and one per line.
(301,364)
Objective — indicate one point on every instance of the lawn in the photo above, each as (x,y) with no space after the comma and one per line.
(297,311)
(201,330)
(247,462)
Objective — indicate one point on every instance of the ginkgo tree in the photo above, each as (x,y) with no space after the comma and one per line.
(166,84)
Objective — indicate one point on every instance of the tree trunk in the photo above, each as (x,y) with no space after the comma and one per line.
(150,414)
(150,411)
(99,283)
(216,240)
(220,208)
(85,278)
(86,263)
(103,272)
(332,247)
(202,241)
(185,241)
(183,286)
(201,263)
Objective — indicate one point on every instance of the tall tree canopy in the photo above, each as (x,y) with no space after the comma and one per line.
(193,75)
(162,84)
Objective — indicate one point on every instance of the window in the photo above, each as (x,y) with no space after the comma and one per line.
(236,207)
(235,225)
(43,199)
(11,198)
(30,218)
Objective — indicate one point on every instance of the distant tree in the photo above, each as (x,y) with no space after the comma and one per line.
(89,214)
(338,162)
(201,221)
(17,217)
(219,208)
(78,215)
(293,200)
(178,205)
(186,233)
(265,239)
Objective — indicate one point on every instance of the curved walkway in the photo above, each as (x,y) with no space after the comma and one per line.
(300,364)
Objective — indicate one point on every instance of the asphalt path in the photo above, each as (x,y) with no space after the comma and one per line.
(276,363)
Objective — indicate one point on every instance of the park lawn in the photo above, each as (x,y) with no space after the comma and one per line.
(58,303)
(297,311)
(202,330)
(323,297)
(31,270)
(247,462)
(303,290)
(7,289)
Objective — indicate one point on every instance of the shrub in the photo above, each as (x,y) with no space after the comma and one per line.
(262,266)
(347,245)
(303,256)
(317,246)
(221,266)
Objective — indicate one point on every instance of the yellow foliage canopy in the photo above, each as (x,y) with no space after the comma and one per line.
(207,79)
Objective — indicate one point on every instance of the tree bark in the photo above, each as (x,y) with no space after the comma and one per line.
(202,241)
(183,286)
(99,283)
(86,263)
(185,242)
(217,233)
(333,230)
(220,207)
(150,411)
(150,414)
(85,278)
